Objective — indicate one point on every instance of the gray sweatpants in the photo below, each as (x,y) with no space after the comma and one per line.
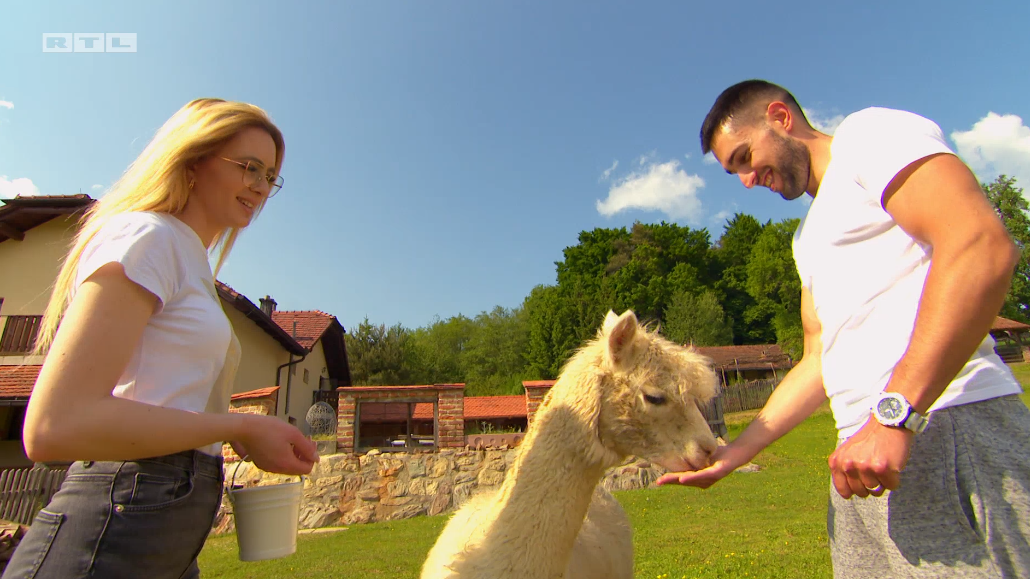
(963,507)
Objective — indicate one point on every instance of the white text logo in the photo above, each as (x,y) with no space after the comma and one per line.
(89,42)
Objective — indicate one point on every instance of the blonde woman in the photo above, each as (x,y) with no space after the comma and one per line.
(136,384)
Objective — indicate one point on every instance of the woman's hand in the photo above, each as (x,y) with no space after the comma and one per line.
(275,446)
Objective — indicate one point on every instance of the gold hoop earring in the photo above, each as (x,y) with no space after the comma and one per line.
(192,182)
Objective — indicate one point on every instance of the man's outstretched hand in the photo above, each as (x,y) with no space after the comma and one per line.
(725,460)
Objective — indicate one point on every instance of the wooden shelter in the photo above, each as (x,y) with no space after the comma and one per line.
(1012,340)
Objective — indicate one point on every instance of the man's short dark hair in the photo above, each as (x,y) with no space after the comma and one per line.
(744,102)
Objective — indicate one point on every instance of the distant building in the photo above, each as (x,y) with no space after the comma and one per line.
(751,362)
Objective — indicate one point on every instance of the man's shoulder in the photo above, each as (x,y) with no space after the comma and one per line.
(883,121)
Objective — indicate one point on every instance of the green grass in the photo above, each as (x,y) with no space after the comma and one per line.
(375,550)
(768,524)
(1022,372)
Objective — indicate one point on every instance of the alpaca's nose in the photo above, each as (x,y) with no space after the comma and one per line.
(706,456)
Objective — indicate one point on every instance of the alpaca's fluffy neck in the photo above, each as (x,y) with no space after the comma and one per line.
(549,487)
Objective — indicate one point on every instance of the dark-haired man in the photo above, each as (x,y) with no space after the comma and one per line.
(904,265)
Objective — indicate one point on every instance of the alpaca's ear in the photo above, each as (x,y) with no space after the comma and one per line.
(620,339)
(609,322)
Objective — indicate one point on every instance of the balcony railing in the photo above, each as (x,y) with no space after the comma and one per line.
(332,397)
(19,335)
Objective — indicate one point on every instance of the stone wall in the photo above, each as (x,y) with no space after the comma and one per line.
(346,489)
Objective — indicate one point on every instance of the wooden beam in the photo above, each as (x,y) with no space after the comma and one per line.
(12,231)
(407,399)
(46,210)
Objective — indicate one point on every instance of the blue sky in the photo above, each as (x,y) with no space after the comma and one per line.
(441,154)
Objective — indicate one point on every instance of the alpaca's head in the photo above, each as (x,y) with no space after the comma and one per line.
(651,390)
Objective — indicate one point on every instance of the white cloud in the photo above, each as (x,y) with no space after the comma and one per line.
(821,122)
(7,104)
(720,217)
(22,186)
(661,187)
(608,172)
(709,159)
(97,186)
(995,145)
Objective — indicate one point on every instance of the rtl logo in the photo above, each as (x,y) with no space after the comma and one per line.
(89,42)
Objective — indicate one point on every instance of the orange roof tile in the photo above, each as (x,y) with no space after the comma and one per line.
(487,407)
(259,393)
(537,383)
(475,408)
(1001,323)
(310,325)
(17,381)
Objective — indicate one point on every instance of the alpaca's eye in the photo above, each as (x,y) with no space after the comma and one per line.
(656,399)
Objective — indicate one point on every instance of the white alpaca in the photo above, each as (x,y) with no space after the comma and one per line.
(627,393)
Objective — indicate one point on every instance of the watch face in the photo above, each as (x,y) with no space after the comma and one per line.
(890,408)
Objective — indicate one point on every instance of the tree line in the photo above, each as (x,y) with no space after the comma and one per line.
(742,288)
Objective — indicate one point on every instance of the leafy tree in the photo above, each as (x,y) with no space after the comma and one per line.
(434,353)
(545,330)
(730,257)
(771,271)
(773,282)
(698,320)
(1011,205)
(377,354)
(495,355)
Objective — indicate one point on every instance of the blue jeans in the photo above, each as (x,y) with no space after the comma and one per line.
(143,518)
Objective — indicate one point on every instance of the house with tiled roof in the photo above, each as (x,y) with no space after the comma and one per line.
(293,358)
(324,367)
(35,234)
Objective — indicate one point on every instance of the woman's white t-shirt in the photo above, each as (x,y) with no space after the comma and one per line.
(188,354)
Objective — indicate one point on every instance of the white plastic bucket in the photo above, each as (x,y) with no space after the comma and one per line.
(267,519)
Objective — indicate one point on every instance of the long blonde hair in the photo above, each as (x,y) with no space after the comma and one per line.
(157,181)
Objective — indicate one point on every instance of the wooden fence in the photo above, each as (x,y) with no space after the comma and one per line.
(24,491)
(747,395)
(713,412)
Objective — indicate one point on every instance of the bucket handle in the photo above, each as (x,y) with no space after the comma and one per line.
(232,483)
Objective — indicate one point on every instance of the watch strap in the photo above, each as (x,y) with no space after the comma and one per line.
(915,422)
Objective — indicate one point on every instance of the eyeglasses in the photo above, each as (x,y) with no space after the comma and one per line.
(253,171)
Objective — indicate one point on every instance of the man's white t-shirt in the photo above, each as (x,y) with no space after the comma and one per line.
(188,354)
(866,274)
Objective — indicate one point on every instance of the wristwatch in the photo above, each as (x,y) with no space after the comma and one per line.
(892,409)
